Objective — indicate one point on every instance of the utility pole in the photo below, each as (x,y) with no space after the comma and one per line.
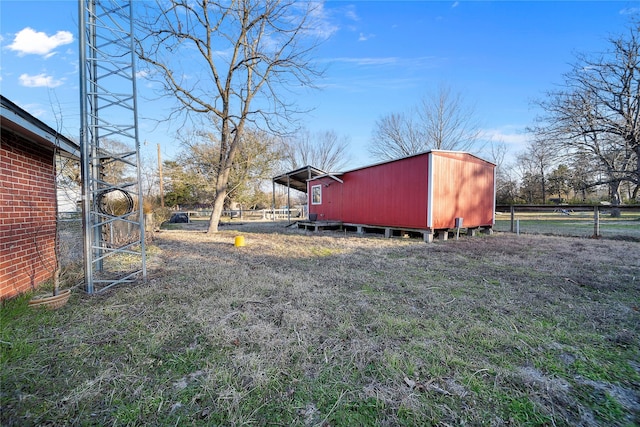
(160,176)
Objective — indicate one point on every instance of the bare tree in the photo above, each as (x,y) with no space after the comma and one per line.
(597,112)
(441,121)
(497,153)
(582,172)
(537,161)
(447,122)
(192,176)
(325,150)
(506,184)
(255,164)
(231,62)
(559,182)
(394,136)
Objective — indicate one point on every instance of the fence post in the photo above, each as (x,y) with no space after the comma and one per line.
(596,221)
(513,214)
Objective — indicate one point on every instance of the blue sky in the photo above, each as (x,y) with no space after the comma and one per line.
(382,57)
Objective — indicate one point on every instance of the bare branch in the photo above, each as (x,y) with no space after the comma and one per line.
(233,60)
(441,121)
(597,112)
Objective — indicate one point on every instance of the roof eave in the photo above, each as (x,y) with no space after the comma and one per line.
(24,124)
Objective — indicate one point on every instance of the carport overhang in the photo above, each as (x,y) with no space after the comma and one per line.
(297,179)
(333,176)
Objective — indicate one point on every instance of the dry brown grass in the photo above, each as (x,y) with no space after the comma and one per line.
(298,328)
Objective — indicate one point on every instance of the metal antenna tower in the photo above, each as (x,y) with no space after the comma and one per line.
(113,219)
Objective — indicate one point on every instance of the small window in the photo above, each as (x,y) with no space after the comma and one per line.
(316,195)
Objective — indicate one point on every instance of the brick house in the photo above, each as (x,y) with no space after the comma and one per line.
(27,198)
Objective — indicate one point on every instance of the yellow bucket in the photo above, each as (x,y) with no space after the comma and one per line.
(239,241)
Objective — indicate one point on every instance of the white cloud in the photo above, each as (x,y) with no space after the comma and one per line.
(350,13)
(320,23)
(420,62)
(368,60)
(36,110)
(512,136)
(40,80)
(455,4)
(28,41)
(364,37)
(630,11)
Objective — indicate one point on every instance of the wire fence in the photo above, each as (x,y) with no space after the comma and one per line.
(621,222)
(602,221)
(70,246)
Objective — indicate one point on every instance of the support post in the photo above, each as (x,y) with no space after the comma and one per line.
(513,215)
(289,199)
(428,236)
(596,221)
(160,178)
(273,202)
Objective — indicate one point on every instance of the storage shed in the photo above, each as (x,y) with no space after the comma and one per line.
(431,192)
(27,198)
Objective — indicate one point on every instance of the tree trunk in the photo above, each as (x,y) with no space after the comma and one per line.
(221,192)
(614,188)
(216,213)
(227,157)
(615,198)
(543,182)
(637,180)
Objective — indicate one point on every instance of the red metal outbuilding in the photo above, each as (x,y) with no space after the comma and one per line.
(426,191)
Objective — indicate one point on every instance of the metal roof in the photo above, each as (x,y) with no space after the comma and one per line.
(17,120)
(298,178)
(433,150)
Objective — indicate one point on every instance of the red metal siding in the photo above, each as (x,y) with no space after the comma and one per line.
(462,187)
(390,194)
(331,207)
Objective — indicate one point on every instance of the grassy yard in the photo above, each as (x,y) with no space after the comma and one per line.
(334,329)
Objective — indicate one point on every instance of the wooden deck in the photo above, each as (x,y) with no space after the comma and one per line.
(389,232)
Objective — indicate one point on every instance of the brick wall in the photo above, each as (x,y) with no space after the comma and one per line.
(27,215)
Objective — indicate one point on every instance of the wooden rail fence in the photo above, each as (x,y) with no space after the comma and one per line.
(565,209)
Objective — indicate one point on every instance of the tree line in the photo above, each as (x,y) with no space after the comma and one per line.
(247,60)
(588,135)
(260,157)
